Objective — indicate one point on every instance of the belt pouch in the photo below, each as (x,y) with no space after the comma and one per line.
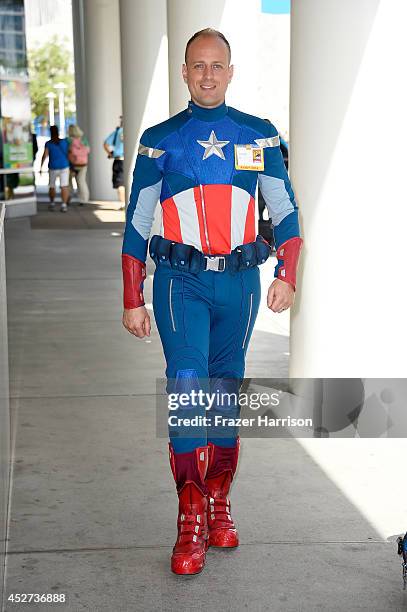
(248,256)
(161,249)
(180,256)
(262,250)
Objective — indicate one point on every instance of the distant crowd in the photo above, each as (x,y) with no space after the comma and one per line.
(68,161)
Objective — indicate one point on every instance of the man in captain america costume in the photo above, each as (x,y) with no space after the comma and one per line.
(203,165)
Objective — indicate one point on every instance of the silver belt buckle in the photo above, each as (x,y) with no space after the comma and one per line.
(216,264)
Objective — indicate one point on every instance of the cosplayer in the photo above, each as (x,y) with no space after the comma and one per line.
(203,165)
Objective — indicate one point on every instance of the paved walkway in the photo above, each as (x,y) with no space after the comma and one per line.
(93,504)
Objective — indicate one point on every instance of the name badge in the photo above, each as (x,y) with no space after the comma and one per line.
(249,157)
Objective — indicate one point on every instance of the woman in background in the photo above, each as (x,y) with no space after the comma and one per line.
(78,160)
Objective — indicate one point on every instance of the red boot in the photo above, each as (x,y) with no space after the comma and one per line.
(189,469)
(221,469)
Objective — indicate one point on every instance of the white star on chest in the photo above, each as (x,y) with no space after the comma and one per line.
(213,146)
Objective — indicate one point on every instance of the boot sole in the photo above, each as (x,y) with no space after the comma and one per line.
(187,575)
(190,573)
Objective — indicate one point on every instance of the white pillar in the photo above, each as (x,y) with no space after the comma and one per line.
(184,19)
(78,27)
(96,28)
(51,97)
(61,108)
(144,65)
(348,134)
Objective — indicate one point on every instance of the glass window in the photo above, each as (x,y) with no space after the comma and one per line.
(13,60)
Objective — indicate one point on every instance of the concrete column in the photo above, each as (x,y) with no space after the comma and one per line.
(99,100)
(144,67)
(238,20)
(348,134)
(78,27)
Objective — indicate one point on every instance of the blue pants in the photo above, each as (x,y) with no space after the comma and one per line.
(205,323)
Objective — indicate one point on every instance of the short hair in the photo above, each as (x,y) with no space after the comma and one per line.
(54,131)
(208,32)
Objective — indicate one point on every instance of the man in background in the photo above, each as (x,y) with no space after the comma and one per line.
(56,149)
(113,145)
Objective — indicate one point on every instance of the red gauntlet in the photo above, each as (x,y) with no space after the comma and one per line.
(289,253)
(134,273)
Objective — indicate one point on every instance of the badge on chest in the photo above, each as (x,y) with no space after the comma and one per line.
(249,157)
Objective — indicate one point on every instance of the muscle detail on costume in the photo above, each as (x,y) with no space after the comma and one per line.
(212,218)
(134,273)
(143,215)
(277,198)
(206,201)
(278,194)
(145,194)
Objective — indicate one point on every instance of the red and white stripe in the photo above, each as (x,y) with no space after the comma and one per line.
(213,218)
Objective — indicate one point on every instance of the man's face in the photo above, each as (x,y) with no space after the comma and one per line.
(207,72)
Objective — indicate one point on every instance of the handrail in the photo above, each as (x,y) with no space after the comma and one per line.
(30,170)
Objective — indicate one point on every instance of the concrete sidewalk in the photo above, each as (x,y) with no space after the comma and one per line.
(93,511)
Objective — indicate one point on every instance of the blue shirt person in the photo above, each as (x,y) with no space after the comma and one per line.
(114,143)
(114,147)
(58,154)
(56,149)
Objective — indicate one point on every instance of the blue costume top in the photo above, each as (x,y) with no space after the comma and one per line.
(189,163)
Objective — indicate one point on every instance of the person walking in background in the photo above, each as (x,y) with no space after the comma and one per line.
(78,158)
(35,145)
(113,145)
(56,150)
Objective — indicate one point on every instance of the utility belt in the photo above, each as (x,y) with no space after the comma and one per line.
(187,258)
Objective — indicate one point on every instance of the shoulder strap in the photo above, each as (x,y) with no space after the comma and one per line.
(115,136)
